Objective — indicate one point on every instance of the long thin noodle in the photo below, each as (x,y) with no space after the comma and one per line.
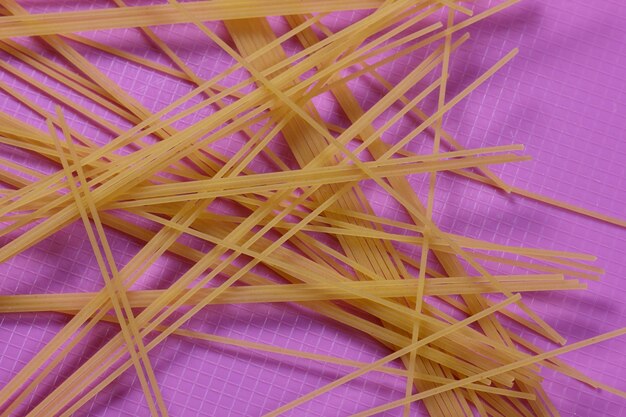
(303,227)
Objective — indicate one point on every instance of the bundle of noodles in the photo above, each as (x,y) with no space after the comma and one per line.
(303,217)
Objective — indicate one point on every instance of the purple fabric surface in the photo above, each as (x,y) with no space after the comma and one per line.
(563,96)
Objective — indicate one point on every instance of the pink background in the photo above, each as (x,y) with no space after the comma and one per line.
(564,97)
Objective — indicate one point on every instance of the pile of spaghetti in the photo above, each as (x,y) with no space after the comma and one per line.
(257,179)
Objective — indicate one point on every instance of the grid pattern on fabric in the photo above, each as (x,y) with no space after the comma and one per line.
(563,97)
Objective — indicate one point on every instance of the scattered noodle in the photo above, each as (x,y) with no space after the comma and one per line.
(258,223)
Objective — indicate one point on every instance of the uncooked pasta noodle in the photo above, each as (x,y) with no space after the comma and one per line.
(307,218)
